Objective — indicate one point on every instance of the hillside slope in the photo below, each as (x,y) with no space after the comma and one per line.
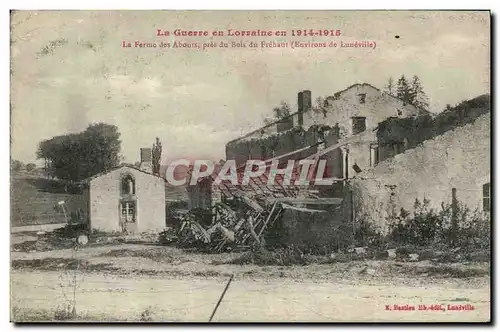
(32,203)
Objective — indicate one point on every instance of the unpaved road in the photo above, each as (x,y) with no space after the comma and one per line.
(113,297)
(36,228)
(121,282)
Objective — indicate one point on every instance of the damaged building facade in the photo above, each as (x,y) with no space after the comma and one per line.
(381,155)
(340,129)
(353,112)
(440,159)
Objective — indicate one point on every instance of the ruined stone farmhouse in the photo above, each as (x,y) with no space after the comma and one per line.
(348,118)
(374,145)
(353,112)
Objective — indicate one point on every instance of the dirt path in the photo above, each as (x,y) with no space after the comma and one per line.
(189,299)
(36,228)
(163,261)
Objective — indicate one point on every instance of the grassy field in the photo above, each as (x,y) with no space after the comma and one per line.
(33,200)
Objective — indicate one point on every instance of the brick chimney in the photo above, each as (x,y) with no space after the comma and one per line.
(304,105)
(146,160)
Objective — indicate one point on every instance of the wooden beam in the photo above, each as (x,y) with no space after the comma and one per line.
(252,230)
(291,207)
(291,153)
(310,201)
(267,219)
(345,141)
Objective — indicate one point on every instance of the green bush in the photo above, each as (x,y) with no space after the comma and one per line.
(366,235)
(426,226)
(420,228)
(474,229)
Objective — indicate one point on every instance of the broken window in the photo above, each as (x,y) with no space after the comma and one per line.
(358,124)
(486,197)
(362,98)
(128,185)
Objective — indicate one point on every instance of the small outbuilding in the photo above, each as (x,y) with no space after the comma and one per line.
(125,199)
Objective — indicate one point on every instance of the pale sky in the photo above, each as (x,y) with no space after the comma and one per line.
(197,100)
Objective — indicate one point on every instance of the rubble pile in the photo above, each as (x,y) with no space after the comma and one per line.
(241,224)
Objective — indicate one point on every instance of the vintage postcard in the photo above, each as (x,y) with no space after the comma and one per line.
(250,166)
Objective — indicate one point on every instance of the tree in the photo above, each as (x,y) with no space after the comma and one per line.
(30,167)
(16,165)
(411,93)
(417,95)
(279,113)
(101,146)
(77,156)
(389,88)
(320,106)
(282,111)
(403,90)
(156,152)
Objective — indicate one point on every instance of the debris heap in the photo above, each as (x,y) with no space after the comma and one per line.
(241,223)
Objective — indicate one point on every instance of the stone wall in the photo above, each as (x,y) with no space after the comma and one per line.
(459,158)
(104,203)
(269,146)
(395,135)
(327,230)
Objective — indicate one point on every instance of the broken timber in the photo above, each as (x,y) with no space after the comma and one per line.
(308,201)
